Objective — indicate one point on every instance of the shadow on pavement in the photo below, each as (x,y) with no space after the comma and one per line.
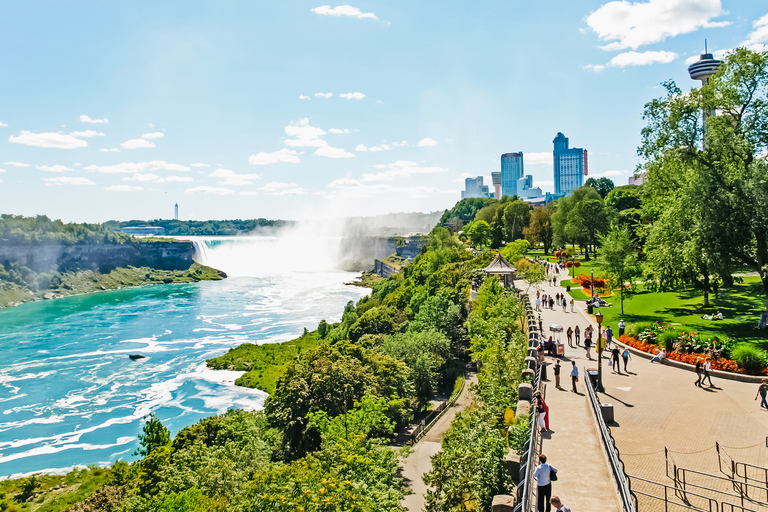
(625,404)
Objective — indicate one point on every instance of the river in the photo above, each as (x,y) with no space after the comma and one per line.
(69,394)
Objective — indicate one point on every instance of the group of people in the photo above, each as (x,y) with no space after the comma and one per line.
(548,301)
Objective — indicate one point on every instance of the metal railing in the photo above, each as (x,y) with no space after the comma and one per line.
(739,472)
(526,490)
(628,499)
(422,429)
(742,489)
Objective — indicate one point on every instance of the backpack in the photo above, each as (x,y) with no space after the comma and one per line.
(552,475)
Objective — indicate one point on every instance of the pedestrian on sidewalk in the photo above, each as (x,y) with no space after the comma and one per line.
(555,501)
(538,303)
(574,375)
(557,376)
(588,345)
(615,359)
(569,334)
(543,484)
(699,373)
(551,303)
(538,294)
(626,357)
(761,391)
(608,335)
(577,334)
(557,297)
(622,326)
(708,372)
(542,412)
(572,303)
(565,304)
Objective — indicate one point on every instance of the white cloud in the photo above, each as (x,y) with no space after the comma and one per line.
(3,170)
(290,192)
(383,147)
(233,179)
(17,164)
(537,158)
(87,134)
(247,193)
(595,67)
(54,168)
(609,174)
(2,124)
(153,135)
(68,180)
(210,190)
(339,131)
(329,152)
(124,188)
(137,143)
(178,179)
(154,178)
(352,96)
(302,97)
(759,35)
(48,140)
(304,134)
(199,164)
(133,167)
(426,142)
(400,144)
(274,186)
(631,25)
(87,119)
(325,95)
(283,155)
(642,58)
(109,150)
(343,10)
(400,169)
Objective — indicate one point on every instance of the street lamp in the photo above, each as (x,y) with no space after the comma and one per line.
(599,318)
(592,282)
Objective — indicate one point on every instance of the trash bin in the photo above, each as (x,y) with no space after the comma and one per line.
(543,372)
(590,309)
(568,288)
(607,411)
(592,375)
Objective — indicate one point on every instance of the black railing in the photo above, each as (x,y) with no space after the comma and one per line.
(628,498)
(526,490)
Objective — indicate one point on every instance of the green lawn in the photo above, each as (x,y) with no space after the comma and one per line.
(585,267)
(741,306)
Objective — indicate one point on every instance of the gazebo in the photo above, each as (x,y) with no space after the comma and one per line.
(502,268)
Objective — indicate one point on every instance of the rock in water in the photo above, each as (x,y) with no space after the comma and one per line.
(136,356)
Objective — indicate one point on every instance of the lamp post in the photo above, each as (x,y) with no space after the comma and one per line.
(592,282)
(599,318)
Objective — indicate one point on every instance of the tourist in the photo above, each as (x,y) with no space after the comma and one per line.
(626,357)
(588,345)
(621,328)
(660,354)
(538,293)
(551,347)
(699,372)
(577,334)
(719,316)
(569,334)
(541,351)
(565,303)
(762,391)
(559,505)
(572,303)
(615,359)
(557,374)
(543,484)
(551,303)
(542,412)
(557,297)
(538,303)
(608,335)
(707,372)
(574,375)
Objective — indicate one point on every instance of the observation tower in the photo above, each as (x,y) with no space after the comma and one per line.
(705,67)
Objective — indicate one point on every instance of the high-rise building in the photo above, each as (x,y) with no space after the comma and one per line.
(496,179)
(511,172)
(473,187)
(702,69)
(570,166)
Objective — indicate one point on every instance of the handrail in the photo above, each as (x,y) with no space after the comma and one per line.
(526,498)
(448,403)
(711,502)
(742,488)
(628,499)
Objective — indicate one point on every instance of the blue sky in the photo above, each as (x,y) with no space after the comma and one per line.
(118,110)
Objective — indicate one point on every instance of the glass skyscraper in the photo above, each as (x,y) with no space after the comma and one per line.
(570,166)
(511,172)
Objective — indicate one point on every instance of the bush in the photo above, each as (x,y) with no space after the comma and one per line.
(633,330)
(749,358)
(667,339)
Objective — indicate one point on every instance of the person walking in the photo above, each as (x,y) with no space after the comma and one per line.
(622,326)
(762,390)
(569,334)
(565,303)
(559,507)
(699,372)
(608,335)
(574,375)
(707,372)
(577,334)
(557,297)
(538,304)
(542,474)
(572,303)
(626,357)
(557,374)
(551,303)
(588,345)
(615,359)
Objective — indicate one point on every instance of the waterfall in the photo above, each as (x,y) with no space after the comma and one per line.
(201,252)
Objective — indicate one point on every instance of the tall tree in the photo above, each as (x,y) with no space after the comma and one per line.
(720,169)
(618,254)
(517,216)
(539,230)
(586,222)
(561,215)
(602,185)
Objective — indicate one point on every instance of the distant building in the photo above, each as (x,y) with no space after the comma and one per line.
(176,212)
(496,179)
(637,179)
(473,187)
(144,230)
(570,166)
(511,172)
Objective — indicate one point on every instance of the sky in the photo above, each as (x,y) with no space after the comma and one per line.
(299,109)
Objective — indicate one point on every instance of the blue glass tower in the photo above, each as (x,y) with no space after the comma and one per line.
(511,172)
(570,166)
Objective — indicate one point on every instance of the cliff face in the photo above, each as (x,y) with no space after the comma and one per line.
(101,257)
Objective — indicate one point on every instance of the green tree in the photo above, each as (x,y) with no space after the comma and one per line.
(531,273)
(560,217)
(602,185)
(322,329)
(586,222)
(478,232)
(517,216)
(487,213)
(539,229)
(618,255)
(153,435)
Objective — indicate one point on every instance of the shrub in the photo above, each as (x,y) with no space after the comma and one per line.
(667,339)
(749,358)
(633,330)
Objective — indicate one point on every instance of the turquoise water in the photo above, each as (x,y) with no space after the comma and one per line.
(69,394)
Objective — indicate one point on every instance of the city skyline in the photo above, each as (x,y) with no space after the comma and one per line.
(305,110)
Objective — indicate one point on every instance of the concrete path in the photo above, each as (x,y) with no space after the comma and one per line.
(419,461)
(658,406)
(573,447)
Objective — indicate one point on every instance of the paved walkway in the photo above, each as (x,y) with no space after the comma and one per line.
(573,447)
(419,461)
(658,406)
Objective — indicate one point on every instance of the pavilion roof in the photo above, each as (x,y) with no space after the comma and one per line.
(499,265)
